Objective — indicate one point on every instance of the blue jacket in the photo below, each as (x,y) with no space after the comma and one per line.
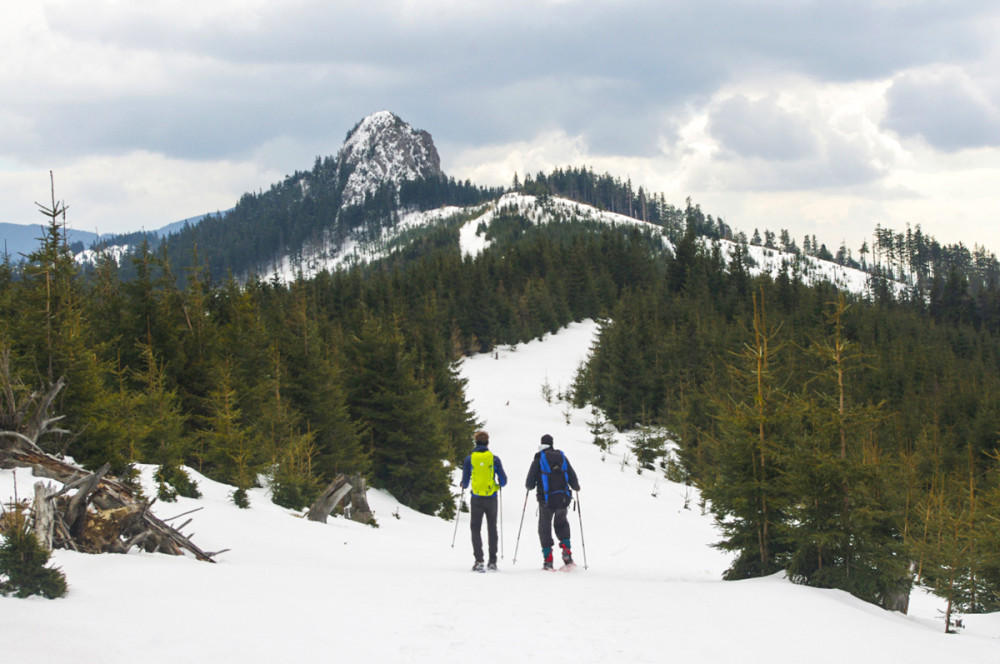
(497,468)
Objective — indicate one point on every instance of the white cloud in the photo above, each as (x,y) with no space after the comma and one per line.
(761,128)
(495,165)
(944,106)
(121,193)
(770,110)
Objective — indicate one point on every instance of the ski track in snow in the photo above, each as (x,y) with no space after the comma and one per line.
(291,589)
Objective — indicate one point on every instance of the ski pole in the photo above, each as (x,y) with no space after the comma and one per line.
(521,526)
(500,491)
(583,544)
(461,497)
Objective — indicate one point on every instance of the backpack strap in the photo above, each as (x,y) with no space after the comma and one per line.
(543,464)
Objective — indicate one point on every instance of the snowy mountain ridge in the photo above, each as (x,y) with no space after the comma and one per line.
(331,256)
(382,150)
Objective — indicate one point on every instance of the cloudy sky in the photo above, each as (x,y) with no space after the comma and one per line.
(823,118)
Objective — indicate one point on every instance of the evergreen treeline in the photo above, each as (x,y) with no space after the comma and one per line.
(834,437)
(917,258)
(607,192)
(911,256)
(352,371)
(235,381)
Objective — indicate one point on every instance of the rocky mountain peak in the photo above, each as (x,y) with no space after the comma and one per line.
(382,148)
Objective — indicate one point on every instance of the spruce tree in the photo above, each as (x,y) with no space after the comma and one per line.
(648,445)
(846,530)
(747,496)
(23,560)
(160,433)
(402,420)
(225,444)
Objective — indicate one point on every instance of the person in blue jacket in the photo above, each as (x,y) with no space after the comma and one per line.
(484,472)
(555,480)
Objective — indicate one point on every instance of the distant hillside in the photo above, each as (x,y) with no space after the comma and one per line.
(22,239)
(384,168)
(385,192)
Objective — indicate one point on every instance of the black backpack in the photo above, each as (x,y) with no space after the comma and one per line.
(555,479)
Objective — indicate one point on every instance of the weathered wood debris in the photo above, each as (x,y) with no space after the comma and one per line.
(356,508)
(92,512)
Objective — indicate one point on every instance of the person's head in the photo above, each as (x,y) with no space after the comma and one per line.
(546,443)
(482,438)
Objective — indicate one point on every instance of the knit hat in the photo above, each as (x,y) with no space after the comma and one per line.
(546,442)
(482,438)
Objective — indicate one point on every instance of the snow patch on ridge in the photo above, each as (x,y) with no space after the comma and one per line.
(330,257)
(473,242)
(553,210)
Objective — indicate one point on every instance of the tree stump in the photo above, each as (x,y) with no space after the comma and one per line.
(360,511)
(45,513)
(329,499)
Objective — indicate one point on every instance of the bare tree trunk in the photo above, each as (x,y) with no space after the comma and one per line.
(45,514)
(898,599)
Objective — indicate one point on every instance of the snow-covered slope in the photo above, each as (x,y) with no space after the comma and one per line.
(332,256)
(552,210)
(556,209)
(472,240)
(294,590)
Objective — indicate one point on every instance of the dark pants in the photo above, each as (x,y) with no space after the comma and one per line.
(547,518)
(479,506)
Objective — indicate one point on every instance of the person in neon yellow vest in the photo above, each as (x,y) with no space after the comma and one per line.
(483,470)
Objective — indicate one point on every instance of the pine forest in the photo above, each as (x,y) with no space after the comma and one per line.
(848,439)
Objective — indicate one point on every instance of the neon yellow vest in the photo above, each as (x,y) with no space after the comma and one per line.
(482,474)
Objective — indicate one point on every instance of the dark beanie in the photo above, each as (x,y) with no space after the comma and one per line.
(482,438)
(547,440)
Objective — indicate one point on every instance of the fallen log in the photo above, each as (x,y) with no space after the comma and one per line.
(104,514)
(108,497)
(76,510)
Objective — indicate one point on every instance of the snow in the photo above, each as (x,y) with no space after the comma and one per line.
(290,589)
(472,242)
(383,148)
(554,209)
(330,257)
(115,252)
(813,270)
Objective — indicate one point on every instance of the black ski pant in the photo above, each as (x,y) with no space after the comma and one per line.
(480,506)
(547,518)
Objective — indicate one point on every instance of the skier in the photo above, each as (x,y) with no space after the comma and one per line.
(485,472)
(553,477)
